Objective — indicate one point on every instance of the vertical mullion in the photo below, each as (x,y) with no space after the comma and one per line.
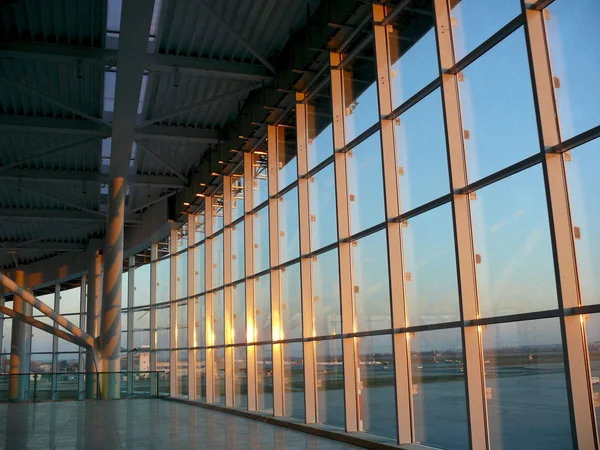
(208,281)
(310,371)
(351,366)
(81,350)
(472,345)
(276,332)
(228,294)
(54,393)
(153,293)
(130,335)
(191,318)
(394,237)
(173,312)
(249,268)
(577,368)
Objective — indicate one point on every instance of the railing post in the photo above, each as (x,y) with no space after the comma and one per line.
(35,387)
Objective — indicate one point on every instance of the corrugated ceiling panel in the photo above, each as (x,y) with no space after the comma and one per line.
(74,22)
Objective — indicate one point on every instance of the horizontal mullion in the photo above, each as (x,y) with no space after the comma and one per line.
(521,317)
(423,208)
(360,138)
(490,43)
(416,98)
(576,141)
(501,174)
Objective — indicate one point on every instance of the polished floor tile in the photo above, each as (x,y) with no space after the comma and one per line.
(142,424)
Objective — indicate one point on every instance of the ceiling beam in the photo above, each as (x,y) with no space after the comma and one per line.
(28,124)
(15,246)
(35,215)
(186,66)
(72,176)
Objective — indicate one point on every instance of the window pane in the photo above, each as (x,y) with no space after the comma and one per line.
(330,383)
(289,243)
(377,392)
(371,283)
(515,273)
(182,325)
(201,375)
(477,20)
(217,259)
(261,240)
(141,285)
(219,368)
(65,346)
(163,339)
(287,150)
(181,359)
(217,205)
(326,294)
(499,124)
(365,184)
(430,277)
(141,319)
(181,261)
(264,377)
(291,303)
(320,132)
(218,318)
(323,218)
(421,153)
(240,373)
(239,313)
(70,299)
(163,275)
(199,233)
(259,178)
(238,266)
(40,340)
(438,389)
(199,270)
(200,333)
(584,183)
(293,375)
(592,326)
(237,192)
(413,51)
(262,305)
(361,109)
(572,29)
(182,238)
(525,385)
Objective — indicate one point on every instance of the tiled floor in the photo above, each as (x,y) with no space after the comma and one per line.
(142,424)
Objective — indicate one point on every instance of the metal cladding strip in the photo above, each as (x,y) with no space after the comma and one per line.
(46,310)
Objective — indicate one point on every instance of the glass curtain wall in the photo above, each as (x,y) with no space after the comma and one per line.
(408,254)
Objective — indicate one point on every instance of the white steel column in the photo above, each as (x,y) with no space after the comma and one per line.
(191,288)
(275,278)
(208,269)
(349,345)
(136,17)
(310,370)
(153,321)
(463,233)
(92,324)
(577,368)
(173,260)
(249,265)
(227,295)
(392,207)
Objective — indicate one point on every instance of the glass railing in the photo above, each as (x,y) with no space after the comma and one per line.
(74,385)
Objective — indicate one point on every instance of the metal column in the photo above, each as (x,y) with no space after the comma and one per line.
(94,298)
(191,324)
(18,389)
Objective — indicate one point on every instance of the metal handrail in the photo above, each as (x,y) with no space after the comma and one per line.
(37,375)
